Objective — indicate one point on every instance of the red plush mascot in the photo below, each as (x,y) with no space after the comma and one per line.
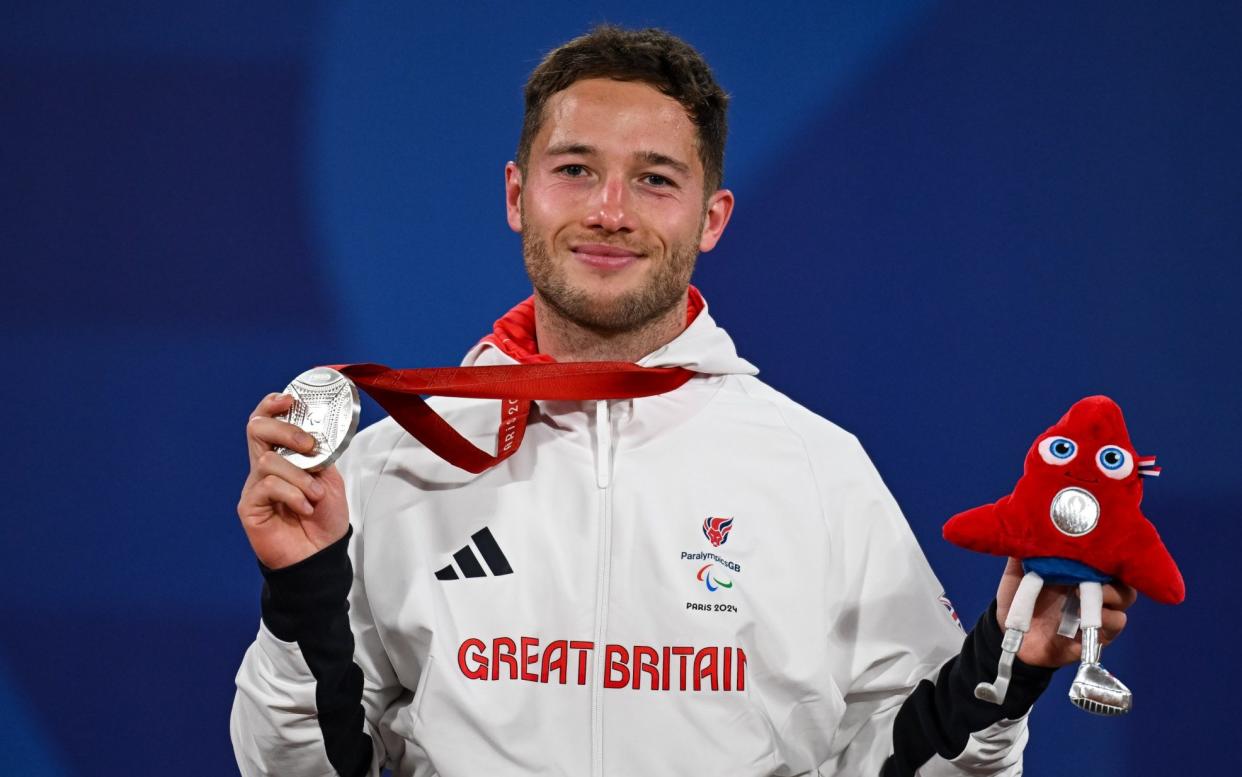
(1074,519)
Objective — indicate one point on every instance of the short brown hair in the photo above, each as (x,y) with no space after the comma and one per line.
(650,56)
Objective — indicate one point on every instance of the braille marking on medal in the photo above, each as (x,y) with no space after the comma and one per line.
(1074,511)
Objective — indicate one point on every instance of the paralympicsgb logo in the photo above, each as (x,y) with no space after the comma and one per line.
(716,530)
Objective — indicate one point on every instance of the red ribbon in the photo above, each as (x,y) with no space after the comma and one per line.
(398,392)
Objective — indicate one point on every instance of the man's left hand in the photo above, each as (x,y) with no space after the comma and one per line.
(1043,646)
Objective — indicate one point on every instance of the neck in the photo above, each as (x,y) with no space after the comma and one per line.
(568,341)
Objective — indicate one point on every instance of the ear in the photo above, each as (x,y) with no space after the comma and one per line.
(513,196)
(716,217)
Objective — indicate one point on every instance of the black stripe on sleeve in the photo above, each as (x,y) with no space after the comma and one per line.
(491,551)
(308,603)
(938,718)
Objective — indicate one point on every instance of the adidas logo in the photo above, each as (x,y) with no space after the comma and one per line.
(469,564)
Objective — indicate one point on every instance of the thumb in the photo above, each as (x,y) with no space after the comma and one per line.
(1009,582)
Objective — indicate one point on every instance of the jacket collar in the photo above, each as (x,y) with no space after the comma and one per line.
(702,346)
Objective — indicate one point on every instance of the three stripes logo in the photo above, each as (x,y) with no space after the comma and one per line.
(469,564)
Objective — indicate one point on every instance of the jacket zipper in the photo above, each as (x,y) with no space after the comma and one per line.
(603,483)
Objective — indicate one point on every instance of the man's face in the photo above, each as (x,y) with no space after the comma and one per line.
(611,207)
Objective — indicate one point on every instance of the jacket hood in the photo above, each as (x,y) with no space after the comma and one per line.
(702,346)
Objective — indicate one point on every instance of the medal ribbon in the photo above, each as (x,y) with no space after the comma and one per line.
(398,392)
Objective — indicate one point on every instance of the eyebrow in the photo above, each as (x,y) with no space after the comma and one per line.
(649,157)
(577,149)
(656,158)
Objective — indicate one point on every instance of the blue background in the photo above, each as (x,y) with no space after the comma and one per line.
(953,220)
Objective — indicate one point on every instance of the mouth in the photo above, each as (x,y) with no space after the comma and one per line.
(1082,480)
(601,256)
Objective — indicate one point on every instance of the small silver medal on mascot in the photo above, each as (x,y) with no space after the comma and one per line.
(325,406)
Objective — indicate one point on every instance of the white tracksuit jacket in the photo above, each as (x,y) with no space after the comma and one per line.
(567,612)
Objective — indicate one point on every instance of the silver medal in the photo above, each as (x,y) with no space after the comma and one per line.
(1075,511)
(325,406)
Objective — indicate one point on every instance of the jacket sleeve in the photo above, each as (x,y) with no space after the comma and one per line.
(941,728)
(909,685)
(315,683)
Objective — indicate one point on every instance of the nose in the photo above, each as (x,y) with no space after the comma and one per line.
(610,208)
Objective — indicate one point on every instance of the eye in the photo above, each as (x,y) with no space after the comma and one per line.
(1057,450)
(1114,462)
(572,171)
(656,179)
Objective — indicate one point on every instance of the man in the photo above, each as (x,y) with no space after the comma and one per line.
(713,580)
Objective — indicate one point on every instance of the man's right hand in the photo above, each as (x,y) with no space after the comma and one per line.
(288,514)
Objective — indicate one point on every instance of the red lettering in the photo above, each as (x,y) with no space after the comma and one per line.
(550,664)
(705,666)
(508,656)
(665,665)
(639,667)
(682,652)
(646,661)
(615,659)
(529,658)
(582,648)
(479,670)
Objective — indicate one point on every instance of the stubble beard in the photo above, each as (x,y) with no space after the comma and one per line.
(628,312)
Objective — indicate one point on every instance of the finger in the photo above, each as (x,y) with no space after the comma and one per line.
(1112,622)
(264,434)
(273,490)
(1119,596)
(272,463)
(271,405)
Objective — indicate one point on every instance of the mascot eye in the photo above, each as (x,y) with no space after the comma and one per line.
(1114,462)
(1057,450)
